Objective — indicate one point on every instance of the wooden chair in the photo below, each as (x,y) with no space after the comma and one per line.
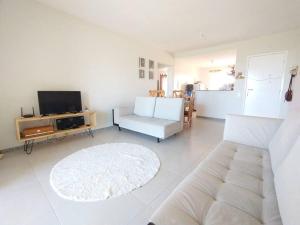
(178,93)
(188,111)
(161,93)
(157,93)
(152,93)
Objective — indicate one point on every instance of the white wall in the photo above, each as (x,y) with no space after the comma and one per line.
(288,41)
(295,104)
(191,67)
(45,49)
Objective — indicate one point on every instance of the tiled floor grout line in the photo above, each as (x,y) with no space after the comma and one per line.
(156,197)
(160,192)
(153,200)
(43,191)
(138,213)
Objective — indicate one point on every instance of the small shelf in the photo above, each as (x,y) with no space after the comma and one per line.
(59,133)
(59,116)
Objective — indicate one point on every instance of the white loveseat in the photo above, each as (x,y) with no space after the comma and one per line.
(251,178)
(157,117)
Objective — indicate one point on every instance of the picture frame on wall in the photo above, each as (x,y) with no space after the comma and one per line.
(151,64)
(142,62)
(141,73)
(151,75)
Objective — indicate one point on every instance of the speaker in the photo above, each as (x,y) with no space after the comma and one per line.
(70,123)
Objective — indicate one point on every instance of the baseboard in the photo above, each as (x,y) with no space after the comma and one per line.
(210,118)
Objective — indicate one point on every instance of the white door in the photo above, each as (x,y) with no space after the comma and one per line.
(264,85)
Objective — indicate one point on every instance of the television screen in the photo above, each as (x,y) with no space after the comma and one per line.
(58,102)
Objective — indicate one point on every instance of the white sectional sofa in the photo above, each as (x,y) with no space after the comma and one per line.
(157,117)
(251,178)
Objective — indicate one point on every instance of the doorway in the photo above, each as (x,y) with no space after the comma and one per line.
(165,78)
(264,84)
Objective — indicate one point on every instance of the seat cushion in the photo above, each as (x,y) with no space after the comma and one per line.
(144,106)
(160,128)
(169,108)
(232,186)
(287,185)
(284,138)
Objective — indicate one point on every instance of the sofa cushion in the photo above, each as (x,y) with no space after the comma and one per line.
(144,106)
(287,186)
(284,139)
(169,108)
(232,186)
(160,128)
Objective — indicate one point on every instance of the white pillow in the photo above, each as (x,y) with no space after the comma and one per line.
(144,106)
(284,139)
(287,185)
(169,108)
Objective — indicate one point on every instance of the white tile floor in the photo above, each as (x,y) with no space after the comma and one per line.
(26,197)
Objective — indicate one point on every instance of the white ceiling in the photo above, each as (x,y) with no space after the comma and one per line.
(177,25)
(211,60)
(218,59)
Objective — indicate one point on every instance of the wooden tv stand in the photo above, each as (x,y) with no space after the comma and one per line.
(21,122)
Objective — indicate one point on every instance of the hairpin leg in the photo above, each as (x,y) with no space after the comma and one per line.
(28,146)
(90,132)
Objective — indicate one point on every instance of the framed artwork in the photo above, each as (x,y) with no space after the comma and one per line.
(141,74)
(151,75)
(151,64)
(142,62)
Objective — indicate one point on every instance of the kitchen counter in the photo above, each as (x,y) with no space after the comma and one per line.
(217,103)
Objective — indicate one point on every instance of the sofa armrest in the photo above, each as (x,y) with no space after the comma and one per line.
(250,130)
(122,111)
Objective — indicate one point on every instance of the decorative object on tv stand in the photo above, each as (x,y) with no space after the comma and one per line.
(37,131)
(27,115)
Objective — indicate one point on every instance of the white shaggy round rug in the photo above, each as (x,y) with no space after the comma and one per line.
(103,171)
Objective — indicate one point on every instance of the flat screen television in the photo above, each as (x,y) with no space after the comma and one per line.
(59,102)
